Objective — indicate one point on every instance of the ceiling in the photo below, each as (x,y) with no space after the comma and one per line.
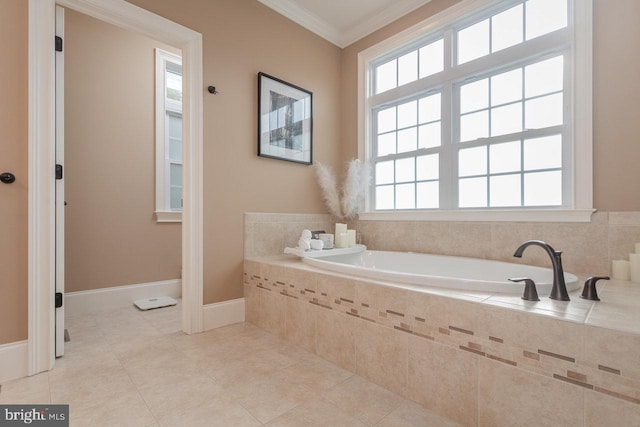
(343,22)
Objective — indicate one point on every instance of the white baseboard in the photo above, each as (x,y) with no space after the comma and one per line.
(223,313)
(13,361)
(96,300)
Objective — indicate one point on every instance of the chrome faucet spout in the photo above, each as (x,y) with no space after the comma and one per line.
(559,288)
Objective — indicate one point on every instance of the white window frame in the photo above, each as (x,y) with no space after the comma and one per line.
(580,206)
(163,108)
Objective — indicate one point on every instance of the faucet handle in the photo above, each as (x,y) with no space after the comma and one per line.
(589,291)
(530,292)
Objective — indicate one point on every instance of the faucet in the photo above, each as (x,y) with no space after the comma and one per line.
(559,288)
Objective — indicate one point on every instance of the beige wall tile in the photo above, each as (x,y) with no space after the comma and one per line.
(272,312)
(444,380)
(251,304)
(614,349)
(267,239)
(335,338)
(300,326)
(506,237)
(431,237)
(603,410)
(388,236)
(381,355)
(532,331)
(469,239)
(583,246)
(508,396)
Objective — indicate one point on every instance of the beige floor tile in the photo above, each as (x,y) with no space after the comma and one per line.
(318,374)
(180,396)
(271,396)
(363,400)
(317,413)
(88,385)
(413,415)
(118,409)
(219,412)
(33,389)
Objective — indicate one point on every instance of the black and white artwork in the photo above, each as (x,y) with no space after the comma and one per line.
(285,121)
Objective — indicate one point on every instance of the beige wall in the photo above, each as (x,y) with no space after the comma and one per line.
(616,147)
(112,237)
(13,158)
(241,38)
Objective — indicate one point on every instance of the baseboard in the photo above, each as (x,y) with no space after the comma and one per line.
(223,313)
(93,301)
(13,361)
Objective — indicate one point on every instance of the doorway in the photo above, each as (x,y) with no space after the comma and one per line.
(41,338)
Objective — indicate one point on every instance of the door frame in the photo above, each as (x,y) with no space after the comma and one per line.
(41,157)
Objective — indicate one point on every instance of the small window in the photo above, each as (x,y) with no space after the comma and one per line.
(168,136)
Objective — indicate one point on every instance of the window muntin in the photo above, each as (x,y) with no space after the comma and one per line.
(499,115)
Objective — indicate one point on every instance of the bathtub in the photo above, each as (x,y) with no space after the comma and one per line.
(467,274)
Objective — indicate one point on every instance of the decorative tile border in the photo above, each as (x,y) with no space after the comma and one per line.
(600,378)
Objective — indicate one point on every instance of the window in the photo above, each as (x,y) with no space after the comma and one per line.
(481,110)
(168,136)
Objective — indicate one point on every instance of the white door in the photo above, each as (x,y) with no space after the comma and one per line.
(59,170)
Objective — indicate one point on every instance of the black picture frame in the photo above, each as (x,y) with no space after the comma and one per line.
(285,120)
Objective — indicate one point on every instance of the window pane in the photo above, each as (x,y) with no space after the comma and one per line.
(506,87)
(429,108)
(405,170)
(429,135)
(384,172)
(507,119)
(543,153)
(474,96)
(506,28)
(384,197)
(176,175)
(543,112)
(386,144)
(473,42)
(543,189)
(386,76)
(545,16)
(406,196)
(472,161)
(407,114)
(174,86)
(428,167)
(407,140)
(472,192)
(432,58)
(504,157)
(505,191)
(428,195)
(408,68)
(175,198)
(544,77)
(474,126)
(387,120)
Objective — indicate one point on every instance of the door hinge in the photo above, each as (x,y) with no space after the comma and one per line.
(58,44)
(58,171)
(58,299)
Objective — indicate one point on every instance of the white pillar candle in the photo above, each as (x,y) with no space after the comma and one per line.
(341,231)
(638,248)
(634,264)
(351,238)
(620,269)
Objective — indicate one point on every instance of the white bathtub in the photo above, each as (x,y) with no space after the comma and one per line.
(469,274)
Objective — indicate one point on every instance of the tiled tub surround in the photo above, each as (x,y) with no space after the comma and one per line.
(588,248)
(476,359)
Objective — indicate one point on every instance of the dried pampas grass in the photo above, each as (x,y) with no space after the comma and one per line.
(350,201)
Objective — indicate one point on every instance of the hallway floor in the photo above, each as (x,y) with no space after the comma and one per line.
(133,368)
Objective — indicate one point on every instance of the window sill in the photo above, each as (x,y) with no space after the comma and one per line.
(168,216)
(503,215)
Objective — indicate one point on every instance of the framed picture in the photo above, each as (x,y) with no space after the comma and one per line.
(285,120)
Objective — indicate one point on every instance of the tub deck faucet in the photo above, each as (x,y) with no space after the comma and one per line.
(559,288)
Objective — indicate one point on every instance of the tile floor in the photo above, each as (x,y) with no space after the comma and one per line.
(132,368)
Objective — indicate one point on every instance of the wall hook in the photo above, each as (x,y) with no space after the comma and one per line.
(212,90)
